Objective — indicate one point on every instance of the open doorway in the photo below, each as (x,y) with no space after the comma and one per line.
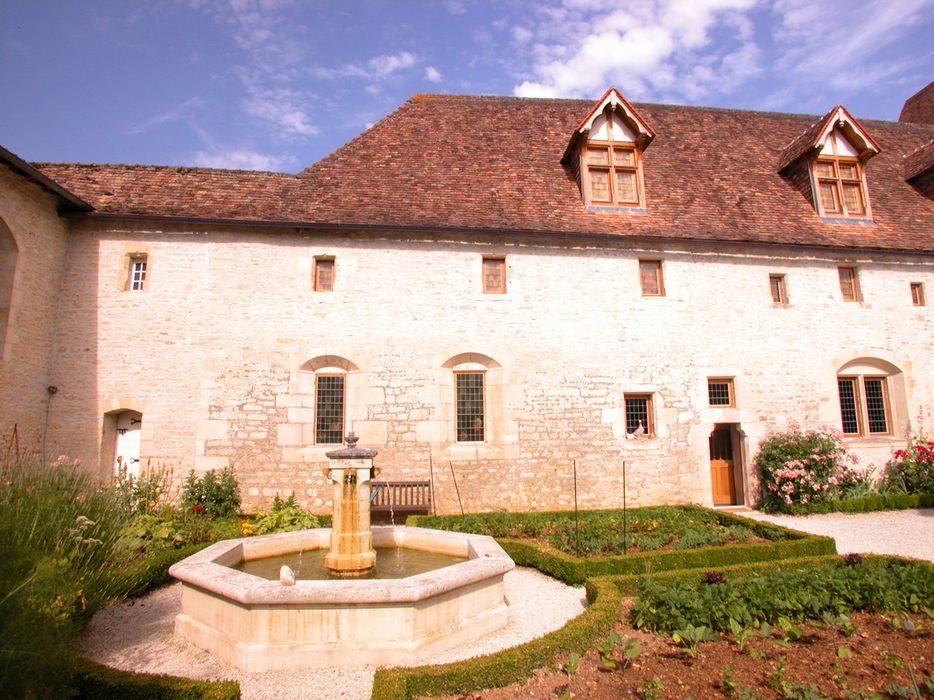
(121,440)
(726,472)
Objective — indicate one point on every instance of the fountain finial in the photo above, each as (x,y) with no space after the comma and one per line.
(352,440)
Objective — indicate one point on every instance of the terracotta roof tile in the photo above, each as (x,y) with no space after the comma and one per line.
(920,106)
(919,161)
(494,163)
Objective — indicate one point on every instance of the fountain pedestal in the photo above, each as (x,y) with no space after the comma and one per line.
(351,553)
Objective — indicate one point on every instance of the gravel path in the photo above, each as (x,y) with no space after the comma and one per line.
(138,636)
(907,533)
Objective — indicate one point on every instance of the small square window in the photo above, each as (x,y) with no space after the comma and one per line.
(849,283)
(136,273)
(917,293)
(494,275)
(777,286)
(639,419)
(720,392)
(324,274)
(650,277)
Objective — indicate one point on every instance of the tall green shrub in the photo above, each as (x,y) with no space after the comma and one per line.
(60,562)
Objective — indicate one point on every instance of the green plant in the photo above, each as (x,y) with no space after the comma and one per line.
(652,688)
(141,495)
(93,681)
(844,652)
(911,470)
(212,495)
(892,663)
(59,544)
(729,684)
(878,585)
(807,466)
(740,633)
(841,622)
(690,637)
(571,665)
(285,516)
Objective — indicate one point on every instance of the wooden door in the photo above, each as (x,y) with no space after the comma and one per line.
(721,466)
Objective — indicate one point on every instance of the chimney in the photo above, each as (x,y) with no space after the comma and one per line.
(919,107)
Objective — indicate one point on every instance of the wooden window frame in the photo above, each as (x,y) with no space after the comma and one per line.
(659,278)
(649,412)
(500,261)
(777,284)
(133,282)
(611,168)
(851,291)
(483,416)
(731,392)
(326,285)
(837,181)
(861,406)
(318,377)
(917,293)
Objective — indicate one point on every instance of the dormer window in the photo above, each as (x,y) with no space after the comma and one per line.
(612,163)
(839,179)
(827,162)
(605,154)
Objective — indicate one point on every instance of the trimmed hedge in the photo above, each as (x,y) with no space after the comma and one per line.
(153,570)
(93,681)
(865,504)
(512,665)
(785,544)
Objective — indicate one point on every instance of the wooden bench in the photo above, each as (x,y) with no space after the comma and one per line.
(400,497)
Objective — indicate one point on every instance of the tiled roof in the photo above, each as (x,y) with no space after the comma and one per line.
(68,199)
(920,161)
(810,140)
(494,163)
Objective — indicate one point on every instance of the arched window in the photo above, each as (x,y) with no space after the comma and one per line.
(8,252)
(476,397)
(330,397)
(872,397)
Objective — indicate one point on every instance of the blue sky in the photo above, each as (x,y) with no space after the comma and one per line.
(279,84)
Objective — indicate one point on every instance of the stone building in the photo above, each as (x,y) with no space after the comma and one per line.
(496,289)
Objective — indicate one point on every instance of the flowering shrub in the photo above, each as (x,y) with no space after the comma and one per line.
(911,470)
(213,495)
(807,467)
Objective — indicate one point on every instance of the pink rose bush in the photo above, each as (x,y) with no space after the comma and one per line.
(807,466)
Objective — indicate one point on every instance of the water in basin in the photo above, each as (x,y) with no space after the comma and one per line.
(391,562)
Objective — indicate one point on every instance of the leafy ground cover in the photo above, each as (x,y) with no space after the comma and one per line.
(859,629)
(610,532)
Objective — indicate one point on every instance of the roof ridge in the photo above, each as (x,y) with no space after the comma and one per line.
(148,166)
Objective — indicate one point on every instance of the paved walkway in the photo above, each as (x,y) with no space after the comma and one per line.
(907,533)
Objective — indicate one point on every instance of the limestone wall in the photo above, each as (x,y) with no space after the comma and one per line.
(32,255)
(211,353)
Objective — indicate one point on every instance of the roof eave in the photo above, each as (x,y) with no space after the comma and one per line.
(17,164)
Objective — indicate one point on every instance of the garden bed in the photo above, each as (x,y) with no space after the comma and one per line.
(526,537)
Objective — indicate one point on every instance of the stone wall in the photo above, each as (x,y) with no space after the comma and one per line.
(219,354)
(32,252)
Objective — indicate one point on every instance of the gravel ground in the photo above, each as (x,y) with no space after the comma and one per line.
(138,636)
(907,533)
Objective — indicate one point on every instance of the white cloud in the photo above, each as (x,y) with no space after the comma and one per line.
(432,74)
(241,159)
(376,68)
(837,43)
(689,48)
(183,111)
(281,107)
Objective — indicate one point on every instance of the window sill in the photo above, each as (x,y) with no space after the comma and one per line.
(856,221)
(611,209)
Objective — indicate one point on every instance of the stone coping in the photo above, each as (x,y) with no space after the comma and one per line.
(210,569)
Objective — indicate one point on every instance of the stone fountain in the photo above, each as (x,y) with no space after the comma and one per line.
(345,616)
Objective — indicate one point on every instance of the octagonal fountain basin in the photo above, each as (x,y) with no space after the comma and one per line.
(259,624)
